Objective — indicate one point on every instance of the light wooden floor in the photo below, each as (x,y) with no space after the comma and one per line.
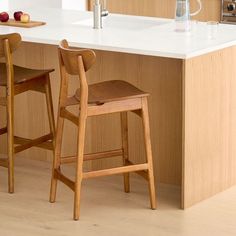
(106,209)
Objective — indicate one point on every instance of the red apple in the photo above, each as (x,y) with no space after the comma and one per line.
(4,17)
(17,15)
(25,18)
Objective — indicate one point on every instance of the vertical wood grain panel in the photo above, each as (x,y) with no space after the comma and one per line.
(161,8)
(210,125)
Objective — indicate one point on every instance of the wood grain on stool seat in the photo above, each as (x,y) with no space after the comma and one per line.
(110,91)
(21,74)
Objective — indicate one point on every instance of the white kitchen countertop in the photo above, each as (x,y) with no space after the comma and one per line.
(121,33)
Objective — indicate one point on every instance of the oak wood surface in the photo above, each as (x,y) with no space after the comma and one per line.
(21,74)
(14,23)
(209,161)
(109,91)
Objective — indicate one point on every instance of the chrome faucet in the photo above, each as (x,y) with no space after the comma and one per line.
(99,11)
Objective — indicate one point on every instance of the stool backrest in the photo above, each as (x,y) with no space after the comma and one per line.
(9,41)
(74,61)
(8,44)
(70,57)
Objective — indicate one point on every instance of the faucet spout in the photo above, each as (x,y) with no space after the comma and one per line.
(99,11)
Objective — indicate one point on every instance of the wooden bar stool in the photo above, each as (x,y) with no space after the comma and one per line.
(97,99)
(17,80)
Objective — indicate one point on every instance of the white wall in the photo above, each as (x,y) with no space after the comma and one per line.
(74,4)
(21,4)
(4,5)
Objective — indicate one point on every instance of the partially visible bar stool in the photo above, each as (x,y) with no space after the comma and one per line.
(97,99)
(17,80)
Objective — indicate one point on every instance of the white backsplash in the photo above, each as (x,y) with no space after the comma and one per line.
(5,5)
(74,4)
(21,4)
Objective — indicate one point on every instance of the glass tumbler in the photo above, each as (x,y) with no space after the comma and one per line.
(212,29)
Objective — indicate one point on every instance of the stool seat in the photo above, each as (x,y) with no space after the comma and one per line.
(21,74)
(110,91)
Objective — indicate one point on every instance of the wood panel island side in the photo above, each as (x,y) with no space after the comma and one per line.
(190,77)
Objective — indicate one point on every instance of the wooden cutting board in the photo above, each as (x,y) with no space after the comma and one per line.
(30,24)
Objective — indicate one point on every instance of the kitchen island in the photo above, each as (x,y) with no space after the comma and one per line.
(191,79)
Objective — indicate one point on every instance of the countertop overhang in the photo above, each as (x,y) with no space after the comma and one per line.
(121,33)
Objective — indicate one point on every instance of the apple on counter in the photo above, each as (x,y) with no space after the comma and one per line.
(17,15)
(25,18)
(4,17)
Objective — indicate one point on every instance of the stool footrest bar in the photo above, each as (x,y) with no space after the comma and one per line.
(31,143)
(4,162)
(93,156)
(115,171)
(46,145)
(142,173)
(69,116)
(3,130)
(68,182)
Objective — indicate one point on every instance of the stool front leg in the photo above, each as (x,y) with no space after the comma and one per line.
(79,164)
(148,148)
(124,134)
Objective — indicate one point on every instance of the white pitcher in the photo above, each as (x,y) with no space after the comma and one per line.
(183,15)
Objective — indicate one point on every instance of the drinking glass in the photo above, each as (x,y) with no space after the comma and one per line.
(212,29)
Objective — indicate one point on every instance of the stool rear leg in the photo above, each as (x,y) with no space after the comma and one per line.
(10,140)
(50,106)
(57,156)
